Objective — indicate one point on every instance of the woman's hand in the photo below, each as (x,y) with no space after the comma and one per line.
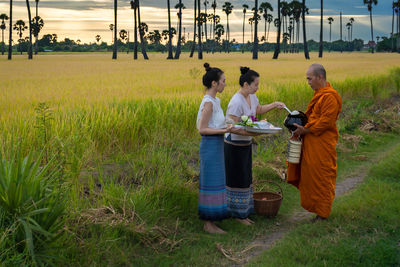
(279,105)
(229,128)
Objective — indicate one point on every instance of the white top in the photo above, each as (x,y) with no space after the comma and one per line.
(217,119)
(238,107)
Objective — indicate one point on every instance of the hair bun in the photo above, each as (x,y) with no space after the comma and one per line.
(244,70)
(207,66)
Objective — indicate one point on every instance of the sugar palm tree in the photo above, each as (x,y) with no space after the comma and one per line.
(278,36)
(264,7)
(251,22)
(227,9)
(20,27)
(214,7)
(397,10)
(134,6)
(369,4)
(178,47)
(219,31)
(351,29)
(3,18)
(321,32)
(111,26)
(123,35)
(256,19)
(194,29)
(348,26)
(330,20)
(200,50)
(142,30)
(245,7)
(37,27)
(114,56)
(205,22)
(303,15)
(170,56)
(30,30)
(270,19)
(10,33)
(98,38)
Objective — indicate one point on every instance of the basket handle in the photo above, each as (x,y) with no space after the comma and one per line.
(271,182)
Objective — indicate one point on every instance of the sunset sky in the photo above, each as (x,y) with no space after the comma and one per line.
(83,20)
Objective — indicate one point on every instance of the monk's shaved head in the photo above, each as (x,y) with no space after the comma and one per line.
(318,70)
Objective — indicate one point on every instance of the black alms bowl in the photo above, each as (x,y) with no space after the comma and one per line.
(300,119)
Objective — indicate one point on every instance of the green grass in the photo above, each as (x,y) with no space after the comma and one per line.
(363,230)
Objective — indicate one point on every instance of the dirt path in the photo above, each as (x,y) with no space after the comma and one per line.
(298,217)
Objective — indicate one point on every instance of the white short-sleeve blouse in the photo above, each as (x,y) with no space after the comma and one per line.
(217,119)
(238,107)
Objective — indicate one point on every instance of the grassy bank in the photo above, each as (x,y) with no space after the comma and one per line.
(364,228)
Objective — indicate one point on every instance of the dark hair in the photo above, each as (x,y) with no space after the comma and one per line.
(248,75)
(212,75)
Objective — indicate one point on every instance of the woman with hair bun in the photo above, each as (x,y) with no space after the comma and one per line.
(238,154)
(211,125)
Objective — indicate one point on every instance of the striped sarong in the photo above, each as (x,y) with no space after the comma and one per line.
(239,179)
(212,191)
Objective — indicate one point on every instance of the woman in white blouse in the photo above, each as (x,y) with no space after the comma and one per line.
(211,125)
(238,154)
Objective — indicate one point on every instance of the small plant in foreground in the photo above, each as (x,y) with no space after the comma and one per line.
(31,207)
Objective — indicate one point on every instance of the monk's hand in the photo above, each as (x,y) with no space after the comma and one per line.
(300,130)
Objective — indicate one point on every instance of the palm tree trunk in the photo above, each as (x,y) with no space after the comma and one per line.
(321,33)
(306,54)
(135,46)
(278,37)
(205,22)
(214,27)
(255,46)
(398,32)
(194,29)
(114,56)
(269,24)
(2,42)
(142,44)
(37,36)
(30,30)
(178,47)
(351,33)
(200,50)
(244,21)
(10,35)
(372,29)
(170,56)
(392,36)
(228,32)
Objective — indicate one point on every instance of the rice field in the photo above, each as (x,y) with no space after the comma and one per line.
(114,102)
(125,130)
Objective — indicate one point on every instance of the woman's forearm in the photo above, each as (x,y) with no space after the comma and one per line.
(211,131)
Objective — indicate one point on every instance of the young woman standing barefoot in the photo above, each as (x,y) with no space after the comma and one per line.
(238,154)
(211,126)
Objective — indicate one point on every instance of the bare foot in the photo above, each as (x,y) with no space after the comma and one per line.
(246,221)
(211,228)
(250,221)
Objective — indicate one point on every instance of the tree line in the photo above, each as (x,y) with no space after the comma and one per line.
(210,34)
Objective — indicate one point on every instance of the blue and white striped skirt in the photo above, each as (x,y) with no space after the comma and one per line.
(212,191)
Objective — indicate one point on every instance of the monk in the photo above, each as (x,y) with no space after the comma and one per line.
(315,176)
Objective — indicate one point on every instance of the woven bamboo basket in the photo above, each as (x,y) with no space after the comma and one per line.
(268,203)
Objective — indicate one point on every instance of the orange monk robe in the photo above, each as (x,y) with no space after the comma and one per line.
(315,176)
